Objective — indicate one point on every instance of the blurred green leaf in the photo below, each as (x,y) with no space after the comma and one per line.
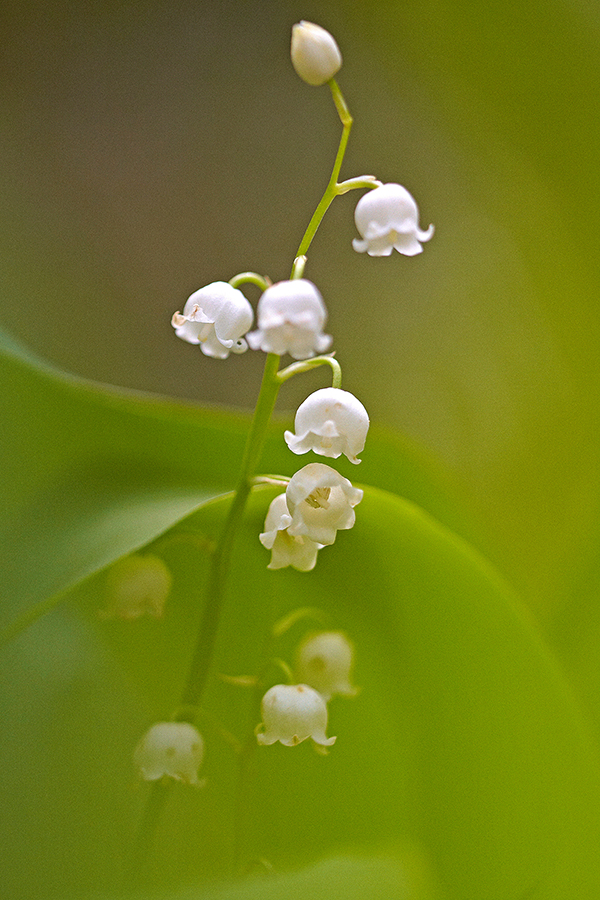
(343,878)
(464,738)
(88,472)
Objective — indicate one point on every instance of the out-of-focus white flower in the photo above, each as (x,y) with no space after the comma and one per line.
(216,317)
(292,713)
(320,502)
(324,661)
(291,316)
(387,218)
(299,552)
(170,749)
(316,56)
(330,422)
(136,586)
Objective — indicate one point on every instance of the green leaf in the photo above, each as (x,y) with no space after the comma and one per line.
(343,878)
(89,473)
(464,739)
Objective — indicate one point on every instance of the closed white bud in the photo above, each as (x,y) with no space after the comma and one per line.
(172,750)
(324,661)
(292,713)
(315,55)
(330,422)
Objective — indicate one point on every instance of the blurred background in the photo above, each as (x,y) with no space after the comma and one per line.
(148,148)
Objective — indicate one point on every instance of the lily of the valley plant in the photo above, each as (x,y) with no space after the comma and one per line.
(316,502)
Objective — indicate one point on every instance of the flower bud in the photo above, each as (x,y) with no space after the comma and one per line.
(136,586)
(324,661)
(298,552)
(330,422)
(387,218)
(216,317)
(170,749)
(315,55)
(320,502)
(292,713)
(291,317)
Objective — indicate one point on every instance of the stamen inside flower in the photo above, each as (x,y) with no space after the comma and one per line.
(319,499)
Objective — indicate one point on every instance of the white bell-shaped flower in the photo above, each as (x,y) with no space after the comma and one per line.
(292,713)
(135,586)
(291,317)
(298,552)
(330,422)
(216,317)
(172,750)
(387,218)
(321,502)
(316,56)
(324,661)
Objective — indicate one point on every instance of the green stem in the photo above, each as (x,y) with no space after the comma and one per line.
(207,635)
(331,191)
(260,281)
(306,365)
(136,873)
(203,653)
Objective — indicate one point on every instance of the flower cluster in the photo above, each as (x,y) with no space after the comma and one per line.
(292,713)
(318,501)
(291,314)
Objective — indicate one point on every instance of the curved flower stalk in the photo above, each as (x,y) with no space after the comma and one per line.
(216,317)
(318,502)
(321,502)
(315,54)
(387,218)
(299,552)
(330,422)
(170,750)
(292,713)
(325,661)
(291,317)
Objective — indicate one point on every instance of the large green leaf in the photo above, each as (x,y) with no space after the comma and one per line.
(89,472)
(464,739)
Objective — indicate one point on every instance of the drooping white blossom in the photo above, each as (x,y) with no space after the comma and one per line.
(172,750)
(298,552)
(321,502)
(387,218)
(316,56)
(135,586)
(330,422)
(291,317)
(292,713)
(324,661)
(216,317)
